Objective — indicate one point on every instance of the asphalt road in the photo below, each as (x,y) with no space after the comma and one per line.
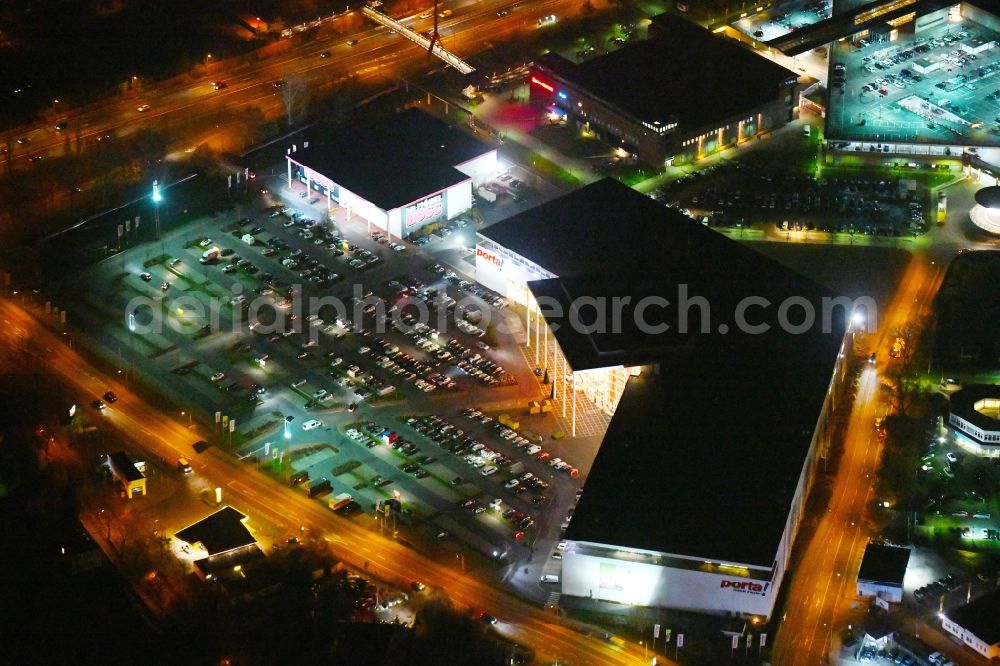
(156,434)
(204,114)
(822,584)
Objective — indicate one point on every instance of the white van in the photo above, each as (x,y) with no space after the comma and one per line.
(806,130)
(549,578)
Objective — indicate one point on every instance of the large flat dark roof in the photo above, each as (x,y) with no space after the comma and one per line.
(703,459)
(963,404)
(703,454)
(685,74)
(608,241)
(967,307)
(981,616)
(884,564)
(654,299)
(602,225)
(220,532)
(394,160)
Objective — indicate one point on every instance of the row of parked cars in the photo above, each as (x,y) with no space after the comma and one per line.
(937,588)
(480,456)
(324,235)
(421,373)
(426,338)
(870,653)
(488,462)
(531,448)
(519,519)
(382,239)
(452,278)
(446,229)
(474,364)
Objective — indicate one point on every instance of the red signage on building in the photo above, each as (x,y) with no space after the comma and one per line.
(748,586)
(542,84)
(428,209)
(489,256)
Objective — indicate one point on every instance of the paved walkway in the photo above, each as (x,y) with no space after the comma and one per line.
(590,421)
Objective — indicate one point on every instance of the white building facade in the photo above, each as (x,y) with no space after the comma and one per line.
(988,650)
(400,221)
(689,582)
(646,578)
(976,420)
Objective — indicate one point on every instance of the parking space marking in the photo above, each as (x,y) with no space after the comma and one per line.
(856,117)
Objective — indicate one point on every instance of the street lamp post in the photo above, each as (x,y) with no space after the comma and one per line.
(461,558)
(131,349)
(157,198)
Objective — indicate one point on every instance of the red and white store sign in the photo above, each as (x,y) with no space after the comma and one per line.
(427,209)
(746,586)
(489,256)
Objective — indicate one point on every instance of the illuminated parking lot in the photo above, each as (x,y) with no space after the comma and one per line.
(942,87)
(782,19)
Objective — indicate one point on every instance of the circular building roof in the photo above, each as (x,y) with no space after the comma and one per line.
(988,197)
(979,406)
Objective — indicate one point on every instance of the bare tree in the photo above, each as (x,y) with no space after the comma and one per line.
(295,96)
(903,382)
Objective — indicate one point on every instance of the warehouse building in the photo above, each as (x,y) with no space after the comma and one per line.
(683,417)
(680,95)
(400,173)
(882,571)
(977,624)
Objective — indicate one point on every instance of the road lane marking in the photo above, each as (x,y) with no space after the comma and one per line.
(575,646)
(240,488)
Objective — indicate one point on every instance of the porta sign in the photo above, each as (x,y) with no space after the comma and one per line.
(745,586)
(489,256)
(424,211)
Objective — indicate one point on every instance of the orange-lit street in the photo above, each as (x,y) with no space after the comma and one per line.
(323,203)
(187,102)
(159,436)
(822,585)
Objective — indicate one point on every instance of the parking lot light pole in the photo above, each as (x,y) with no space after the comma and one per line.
(131,346)
(157,198)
